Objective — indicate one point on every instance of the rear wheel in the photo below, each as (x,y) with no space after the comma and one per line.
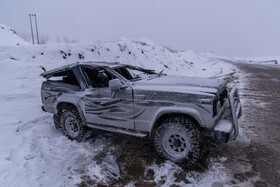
(176,140)
(72,125)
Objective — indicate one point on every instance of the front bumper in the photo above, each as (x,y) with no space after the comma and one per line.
(227,127)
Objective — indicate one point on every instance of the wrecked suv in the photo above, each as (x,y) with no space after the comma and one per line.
(177,113)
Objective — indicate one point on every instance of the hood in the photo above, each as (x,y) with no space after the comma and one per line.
(182,85)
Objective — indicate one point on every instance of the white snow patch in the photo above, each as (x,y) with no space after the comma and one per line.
(164,174)
(265,60)
(9,37)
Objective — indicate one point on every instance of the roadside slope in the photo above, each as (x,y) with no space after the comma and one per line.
(33,152)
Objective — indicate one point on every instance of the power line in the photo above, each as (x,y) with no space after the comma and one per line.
(28,6)
(25,6)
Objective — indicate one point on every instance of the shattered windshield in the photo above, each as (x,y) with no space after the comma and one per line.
(133,73)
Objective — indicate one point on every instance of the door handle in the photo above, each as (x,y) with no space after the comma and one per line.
(94,94)
(139,96)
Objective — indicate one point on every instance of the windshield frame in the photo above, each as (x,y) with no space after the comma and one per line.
(151,74)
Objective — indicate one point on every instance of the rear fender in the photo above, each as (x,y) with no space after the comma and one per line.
(61,105)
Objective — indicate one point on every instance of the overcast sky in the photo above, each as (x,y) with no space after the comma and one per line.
(225,27)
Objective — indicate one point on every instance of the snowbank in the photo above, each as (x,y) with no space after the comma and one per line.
(142,53)
(9,37)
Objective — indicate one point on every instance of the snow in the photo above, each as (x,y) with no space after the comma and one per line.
(8,37)
(33,152)
(264,60)
(224,126)
(165,174)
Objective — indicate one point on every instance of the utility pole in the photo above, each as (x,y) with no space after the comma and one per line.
(32,35)
(38,41)
(36,26)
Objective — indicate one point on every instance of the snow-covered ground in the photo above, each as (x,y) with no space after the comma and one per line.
(268,60)
(8,37)
(34,153)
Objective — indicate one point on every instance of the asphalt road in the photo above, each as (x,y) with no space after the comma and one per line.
(260,123)
(264,87)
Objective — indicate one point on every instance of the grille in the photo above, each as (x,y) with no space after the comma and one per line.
(219,102)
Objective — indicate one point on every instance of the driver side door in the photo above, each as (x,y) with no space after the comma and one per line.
(105,107)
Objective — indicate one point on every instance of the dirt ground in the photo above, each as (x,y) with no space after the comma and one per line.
(252,160)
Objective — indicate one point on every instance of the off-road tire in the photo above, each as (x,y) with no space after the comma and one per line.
(175,139)
(72,125)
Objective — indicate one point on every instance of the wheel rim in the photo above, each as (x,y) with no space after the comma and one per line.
(177,145)
(72,127)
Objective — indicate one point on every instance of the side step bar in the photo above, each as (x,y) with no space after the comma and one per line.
(118,130)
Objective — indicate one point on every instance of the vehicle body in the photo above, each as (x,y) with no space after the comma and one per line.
(174,111)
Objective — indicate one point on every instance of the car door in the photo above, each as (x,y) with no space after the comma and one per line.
(105,107)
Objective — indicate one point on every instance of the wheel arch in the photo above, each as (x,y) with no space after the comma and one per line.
(190,114)
(62,105)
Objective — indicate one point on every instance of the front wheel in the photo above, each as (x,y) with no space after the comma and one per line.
(176,140)
(72,125)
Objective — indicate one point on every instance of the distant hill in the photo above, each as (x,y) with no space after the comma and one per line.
(9,37)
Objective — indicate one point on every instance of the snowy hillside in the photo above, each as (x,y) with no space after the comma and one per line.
(142,53)
(33,152)
(8,37)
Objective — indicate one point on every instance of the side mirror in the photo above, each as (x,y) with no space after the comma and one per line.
(115,84)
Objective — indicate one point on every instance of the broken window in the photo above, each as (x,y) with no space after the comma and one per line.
(98,77)
(66,77)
